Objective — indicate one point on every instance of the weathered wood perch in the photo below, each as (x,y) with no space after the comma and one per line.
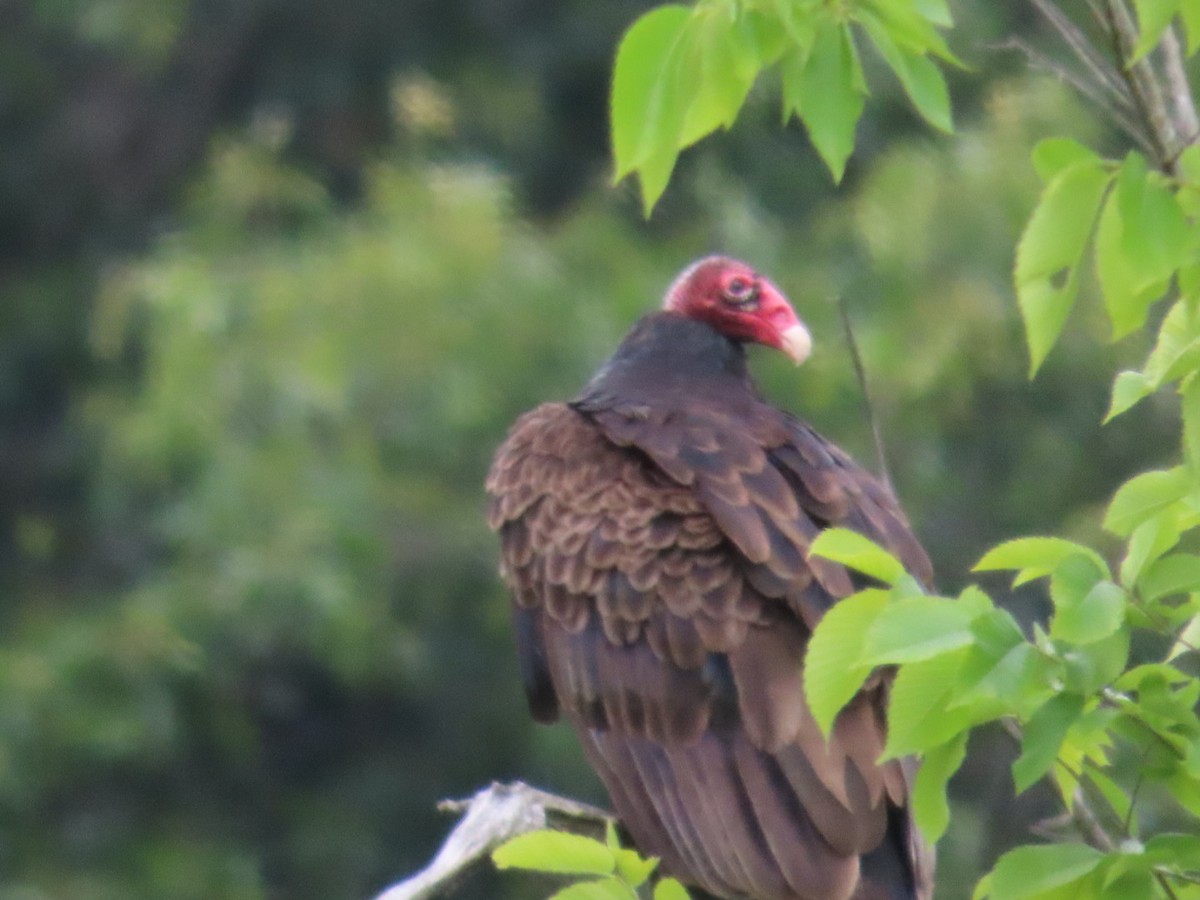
(491,817)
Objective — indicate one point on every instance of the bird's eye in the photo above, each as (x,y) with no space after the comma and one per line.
(742,293)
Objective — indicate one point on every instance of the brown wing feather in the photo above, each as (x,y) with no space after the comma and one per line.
(664,595)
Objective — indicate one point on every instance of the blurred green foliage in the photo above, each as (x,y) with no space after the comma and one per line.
(276,278)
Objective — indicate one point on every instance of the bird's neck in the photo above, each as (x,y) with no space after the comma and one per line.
(667,354)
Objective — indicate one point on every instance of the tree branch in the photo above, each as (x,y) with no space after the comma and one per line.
(494,815)
(1143,81)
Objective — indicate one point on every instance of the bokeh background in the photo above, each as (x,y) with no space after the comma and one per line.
(276,275)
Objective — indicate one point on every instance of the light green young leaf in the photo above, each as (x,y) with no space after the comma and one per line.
(555,851)
(1002,666)
(1035,557)
(1149,541)
(647,112)
(1176,353)
(832,672)
(1100,613)
(1190,13)
(909,28)
(632,867)
(670,889)
(1153,18)
(827,93)
(1088,667)
(724,53)
(918,713)
(1178,573)
(1128,389)
(930,807)
(915,629)
(1043,735)
(1031,870)
(860,553)
(1155,237)
(936,11)
(1128,296)
(603,889)
(1178,851)
(1052,155)
(1144,495)
(919,75)
(1050,249)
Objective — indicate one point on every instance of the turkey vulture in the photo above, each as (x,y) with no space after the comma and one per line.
(654,534)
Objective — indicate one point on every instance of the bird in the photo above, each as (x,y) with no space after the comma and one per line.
(654,537)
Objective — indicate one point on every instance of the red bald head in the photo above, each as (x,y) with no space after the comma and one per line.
(741,304)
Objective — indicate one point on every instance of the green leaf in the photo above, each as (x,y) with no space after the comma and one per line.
(1128,389)
(1149,541)
(1128,296)
(645,111)
(909,28)
(1190,13)
(826,93)
(670,889)
(555,851)
(930,807)
(1176,353)
(1052,155)
(919,75)
(1003,666)
(860,553)
(603,889)
(832,672)
(724,53)
(1153,18)
(632,866)
(1035,557)
(1178,573)
(1176,851)
(1028,871)
(1155,237)
(914,629)
(936,11)
(1144,495)
(1100,613)
(1043,735)
(1088,667)
(918,717)
(1050,249)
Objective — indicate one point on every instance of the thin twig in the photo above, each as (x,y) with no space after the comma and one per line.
(1124,118)
(1098,67)
(885,474)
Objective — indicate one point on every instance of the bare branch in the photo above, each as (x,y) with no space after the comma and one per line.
(1100,69)
(493,816)
(860,371)
(1125,119)
(1181,92)
(1144,83)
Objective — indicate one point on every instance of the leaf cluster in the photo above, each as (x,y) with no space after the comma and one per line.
(683,72)
(615,872)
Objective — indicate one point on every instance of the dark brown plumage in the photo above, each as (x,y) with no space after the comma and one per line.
(654,533)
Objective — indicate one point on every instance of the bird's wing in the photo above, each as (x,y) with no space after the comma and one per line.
(664,597)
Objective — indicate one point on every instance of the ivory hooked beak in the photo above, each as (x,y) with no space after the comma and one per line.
(796,342)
